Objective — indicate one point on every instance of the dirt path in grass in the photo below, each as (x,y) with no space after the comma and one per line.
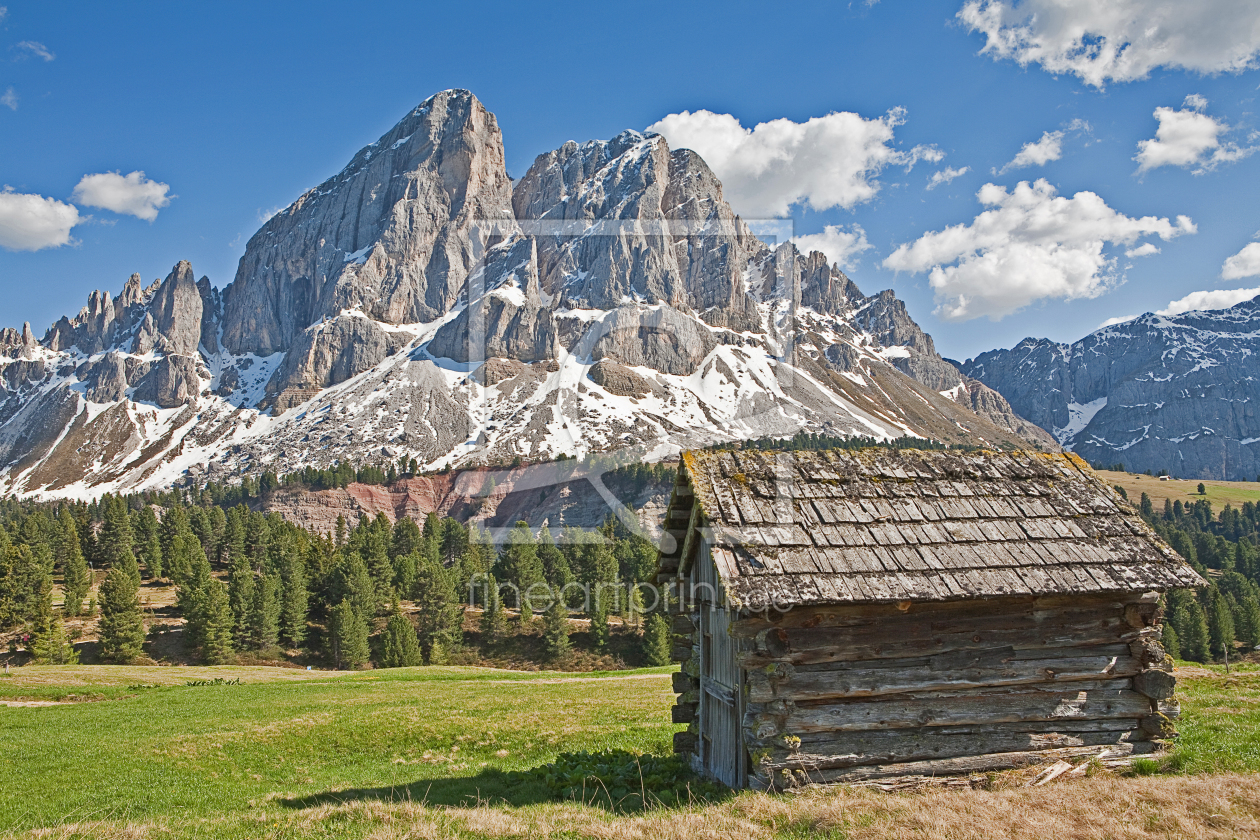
(34,703)
(581,679)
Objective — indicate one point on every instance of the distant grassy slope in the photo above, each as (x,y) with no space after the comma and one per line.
(1219,493)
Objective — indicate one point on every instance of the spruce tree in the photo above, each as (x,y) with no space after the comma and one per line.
(53,647)
(555,566)
(1193,636)
(1247,621)
(493,619)
(522,568)
(599,619)
(556,631)
(190,597)
(348,636)
(122,622)
(264,614)
(295,597)
(76,579)
(216,641)
(25,586)
(144,527)
(1220,625)
(1172,645)
(440,613)
(401,649)
(656,641)
(241,584)
(114,544)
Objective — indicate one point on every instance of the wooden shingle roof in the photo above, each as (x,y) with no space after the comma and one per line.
(834,527)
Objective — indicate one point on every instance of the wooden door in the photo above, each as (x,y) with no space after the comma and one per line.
(721,742)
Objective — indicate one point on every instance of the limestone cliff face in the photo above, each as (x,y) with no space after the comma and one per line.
(393,235)
(1175,393)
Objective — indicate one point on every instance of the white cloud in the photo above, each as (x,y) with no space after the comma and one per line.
(1039,152)
(1211,299)
(9,99)
(944,176)
(1032,244)
(132,194)
(28,48)
(32,222)
(1246,263)
(1146,249)
(1188,138)
(824,162)
(840,246)
(265,215)
(1043,151)
(1119,40)
(1120,319)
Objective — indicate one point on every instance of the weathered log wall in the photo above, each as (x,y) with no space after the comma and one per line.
(846,693)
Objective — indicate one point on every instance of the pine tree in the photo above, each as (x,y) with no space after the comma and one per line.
(1172,645)
(122,622)
(656,641)
(556,631)
(1193,636)
(1220,625)
(348,636)
(216,643)
(401,649)
(76,579)
(493,619)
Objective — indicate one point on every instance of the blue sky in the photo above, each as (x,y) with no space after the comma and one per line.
(236,108)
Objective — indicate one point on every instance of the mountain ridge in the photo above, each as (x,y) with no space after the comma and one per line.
(1175,392)
(419,303)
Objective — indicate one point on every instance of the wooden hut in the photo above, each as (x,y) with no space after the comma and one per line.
(852,615)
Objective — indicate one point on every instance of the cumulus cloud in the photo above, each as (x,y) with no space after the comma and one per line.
(840,246)
(824,162)
(944,176)
(1246,263)
(1120,40)
(1146,249)
(133,194)
(1031,245)
(1211,299)
(9,98)
(33,222)
(1186,138)
(35,48)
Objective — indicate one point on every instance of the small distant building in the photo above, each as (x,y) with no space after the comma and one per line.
(842,616)
(1165,478)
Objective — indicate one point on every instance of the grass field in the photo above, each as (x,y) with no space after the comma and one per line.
(1219,493)
(419,753)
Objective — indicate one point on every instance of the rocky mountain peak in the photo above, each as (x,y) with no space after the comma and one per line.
(393,234)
